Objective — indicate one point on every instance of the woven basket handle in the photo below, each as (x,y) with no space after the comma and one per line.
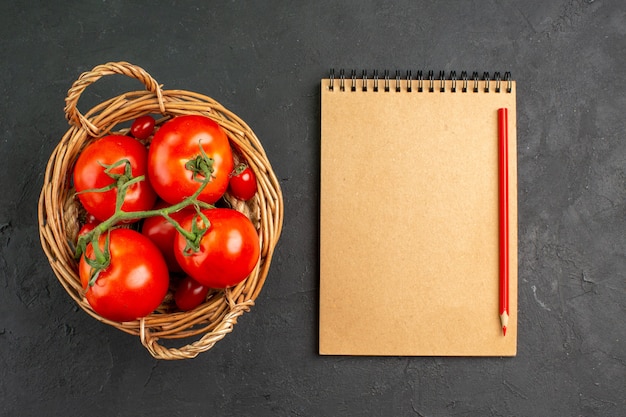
(87,78)
(193,349)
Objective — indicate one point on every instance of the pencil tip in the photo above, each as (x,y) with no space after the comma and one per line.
(503,330)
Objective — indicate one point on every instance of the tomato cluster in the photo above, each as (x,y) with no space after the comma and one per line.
(153,221)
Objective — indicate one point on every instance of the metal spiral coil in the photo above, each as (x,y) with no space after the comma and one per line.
(491,83)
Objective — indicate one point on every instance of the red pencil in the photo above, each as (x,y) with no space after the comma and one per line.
(503,179)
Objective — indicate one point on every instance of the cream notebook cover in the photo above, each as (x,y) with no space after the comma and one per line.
(409,245)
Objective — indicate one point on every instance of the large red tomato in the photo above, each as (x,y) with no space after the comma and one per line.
(229,249)
(90,173)
(175,145)
(133,284)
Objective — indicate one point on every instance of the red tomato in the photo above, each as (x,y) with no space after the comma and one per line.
(190,294)
(86,228)
(90,174)
(89,218)
(90,224)
(135,282)
(243,183)
(229,250)
(175,144)
(142,127)
(162,233)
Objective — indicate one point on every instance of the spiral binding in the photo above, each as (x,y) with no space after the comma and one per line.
(423,82)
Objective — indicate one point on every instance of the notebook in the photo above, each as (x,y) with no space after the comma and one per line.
(409,243)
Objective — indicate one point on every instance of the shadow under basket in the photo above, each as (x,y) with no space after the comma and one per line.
(60,212)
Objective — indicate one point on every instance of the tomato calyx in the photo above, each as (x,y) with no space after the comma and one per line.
(201,166)
(194,237)
(241,167)
(101,260)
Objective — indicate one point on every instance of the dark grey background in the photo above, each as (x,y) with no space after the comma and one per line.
(264,62)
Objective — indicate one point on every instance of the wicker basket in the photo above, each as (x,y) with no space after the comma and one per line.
(59,211)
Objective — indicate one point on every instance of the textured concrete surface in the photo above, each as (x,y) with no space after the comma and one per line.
(264,62)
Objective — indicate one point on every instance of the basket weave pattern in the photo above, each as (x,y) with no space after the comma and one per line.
(60,212)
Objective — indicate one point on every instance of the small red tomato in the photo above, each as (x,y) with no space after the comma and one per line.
(163,233)
(135,281)
(242,183)
(229,249)
(142,127)
(190,294)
